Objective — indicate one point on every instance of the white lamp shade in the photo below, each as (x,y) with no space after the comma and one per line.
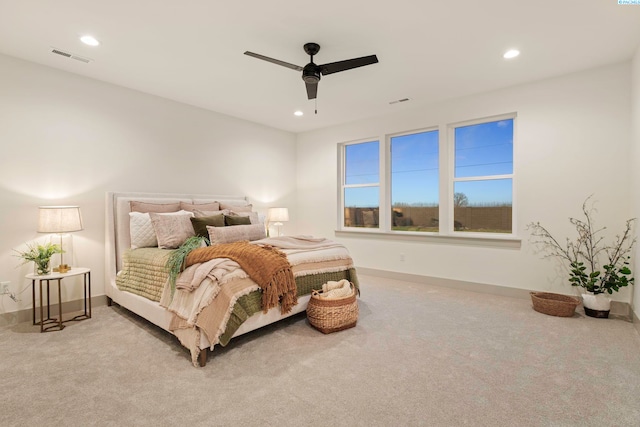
(278,214)
(59,219)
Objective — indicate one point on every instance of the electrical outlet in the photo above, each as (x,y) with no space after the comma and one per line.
(4,290)
(402,257)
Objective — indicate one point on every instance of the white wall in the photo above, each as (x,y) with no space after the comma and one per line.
(573,139)
(635,158)
(67,140)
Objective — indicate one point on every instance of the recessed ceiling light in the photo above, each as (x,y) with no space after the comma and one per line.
(511,54)
(298,113)
(90,40)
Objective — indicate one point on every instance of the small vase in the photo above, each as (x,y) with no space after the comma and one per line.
(597,305)
(42,268)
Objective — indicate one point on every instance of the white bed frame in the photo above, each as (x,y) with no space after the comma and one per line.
(118,240)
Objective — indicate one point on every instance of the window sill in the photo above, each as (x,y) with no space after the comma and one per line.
(476,239)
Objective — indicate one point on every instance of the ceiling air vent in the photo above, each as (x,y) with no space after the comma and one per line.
(70,55)
(399,100)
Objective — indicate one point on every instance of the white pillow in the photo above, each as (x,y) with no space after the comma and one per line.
(172,230)
(141,229)
(236,233)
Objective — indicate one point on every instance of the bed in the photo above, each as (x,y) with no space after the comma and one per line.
(137,279)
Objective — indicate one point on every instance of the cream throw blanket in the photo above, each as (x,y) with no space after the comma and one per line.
(266,265)
(305,253)
(190,297)
(300,243)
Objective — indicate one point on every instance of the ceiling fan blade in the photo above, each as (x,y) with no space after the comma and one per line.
(348,64)
(274,61)
(312,90)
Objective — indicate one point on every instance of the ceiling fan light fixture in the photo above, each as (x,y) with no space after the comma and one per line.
(89,40)
(510,54)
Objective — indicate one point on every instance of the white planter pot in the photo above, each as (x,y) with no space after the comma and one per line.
(596,305)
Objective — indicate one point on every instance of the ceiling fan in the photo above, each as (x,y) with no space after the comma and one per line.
(312,72)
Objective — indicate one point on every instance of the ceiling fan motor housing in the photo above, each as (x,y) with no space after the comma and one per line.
(311,73)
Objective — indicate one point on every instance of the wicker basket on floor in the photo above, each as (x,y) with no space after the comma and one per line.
(332,315)
(554,304)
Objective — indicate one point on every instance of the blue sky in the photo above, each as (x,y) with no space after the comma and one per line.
(363,163)
(414,168)
(484,149)
(480,150)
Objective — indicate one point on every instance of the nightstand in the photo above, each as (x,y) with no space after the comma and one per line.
(57,324)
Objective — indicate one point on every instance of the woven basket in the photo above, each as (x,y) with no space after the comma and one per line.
(554,304)
(332,315)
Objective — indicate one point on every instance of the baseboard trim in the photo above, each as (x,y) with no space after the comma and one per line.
(619,309)
(482,288)
(26,315)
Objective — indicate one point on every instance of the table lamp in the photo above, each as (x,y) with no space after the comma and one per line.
(59,219)
(277,216)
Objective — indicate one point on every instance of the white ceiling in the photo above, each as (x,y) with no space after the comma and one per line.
(192,50)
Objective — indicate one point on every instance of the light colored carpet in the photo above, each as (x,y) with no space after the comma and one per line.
(420,355)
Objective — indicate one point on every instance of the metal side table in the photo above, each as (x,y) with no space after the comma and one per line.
(56,324)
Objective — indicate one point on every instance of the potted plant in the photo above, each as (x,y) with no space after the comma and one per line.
(596,266)
(41,255)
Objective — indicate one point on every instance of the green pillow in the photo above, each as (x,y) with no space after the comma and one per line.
(236,220)
(200,224)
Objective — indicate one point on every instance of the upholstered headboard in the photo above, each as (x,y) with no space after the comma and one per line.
(118,237)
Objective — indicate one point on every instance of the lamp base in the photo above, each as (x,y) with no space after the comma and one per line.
(62,268)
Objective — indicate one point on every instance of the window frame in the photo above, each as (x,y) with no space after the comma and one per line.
(446,166)
(451,179)
(342,162)
(389,178)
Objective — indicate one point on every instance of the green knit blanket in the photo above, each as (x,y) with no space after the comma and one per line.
(250,304)
(143,272)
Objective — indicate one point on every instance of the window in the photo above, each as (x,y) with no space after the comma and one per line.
(452,180)
(483,177)
(415,182)
(361,186)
